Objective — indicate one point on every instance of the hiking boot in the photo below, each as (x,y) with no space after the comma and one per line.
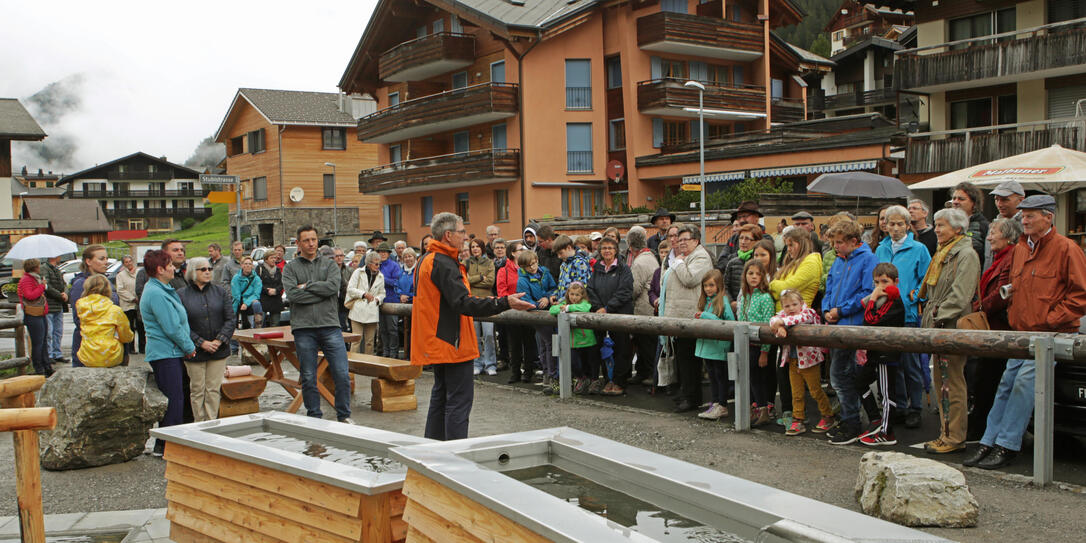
(843,435)
(938,446)
(714,412)
(596,386)
(879,438)
(825,425)
(580,387)
(759,417)
(796,428)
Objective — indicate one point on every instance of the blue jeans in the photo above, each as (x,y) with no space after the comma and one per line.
(55,334)
(1013,406)
(254,309)
(842,377)
(485,332)
(328,339)
(36,328)
(450,401)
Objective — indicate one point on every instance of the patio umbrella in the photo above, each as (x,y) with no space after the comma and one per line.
(1054,170)
(860,185)
(41,246)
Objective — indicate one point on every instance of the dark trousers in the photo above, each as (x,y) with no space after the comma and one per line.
(344,324)
(620,369)
(388,327)
(543,346)
(646,355)
(989,371)
(450,401)
(502,335)
(136,325)
(77,340)
(169,376)
(520,351)
(585,362)
(39,346)
(271,318)
(718,380)
(329,340)
(886,377)
(689,369)
(763,381)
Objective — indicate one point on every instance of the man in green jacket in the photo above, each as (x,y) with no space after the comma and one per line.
(312,287)
(58,300)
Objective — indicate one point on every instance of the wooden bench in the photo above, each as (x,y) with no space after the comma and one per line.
(393,386)
(239,395)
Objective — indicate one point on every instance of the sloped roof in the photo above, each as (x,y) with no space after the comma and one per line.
(292,108)
(69,216)
(531,14)
(16,122)
(90,172)
(873,41)
(18,188)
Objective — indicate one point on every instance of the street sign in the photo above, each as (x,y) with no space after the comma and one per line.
(214,179)
(694,188)
(221,197)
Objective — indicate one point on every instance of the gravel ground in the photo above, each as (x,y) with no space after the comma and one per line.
(1010,509)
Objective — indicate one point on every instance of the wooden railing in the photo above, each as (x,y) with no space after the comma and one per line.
(951,150)
(195,212)
(426,172)
(448,105)
(1019,52)
(114,193)
(823,102)
(427,49)
(787,110)
(698,30)
(670,93)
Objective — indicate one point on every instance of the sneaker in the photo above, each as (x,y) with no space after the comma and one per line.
(876,425)
(477,371)
(785,420)
(596,386)
(714,412)
(606,390)
(491,371)
(796,428)
(843,435)
(878,438)
(825,425)
(347,420)
(552,389)
(580,386)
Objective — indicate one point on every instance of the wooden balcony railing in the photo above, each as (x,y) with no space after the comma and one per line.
(681,28)
(1021,52)
(947,151)
(142,175)
(113,193)
(787,110)
(477,167)
(670,93)
(444,51)
(823,102)
(196,212)
(440,112)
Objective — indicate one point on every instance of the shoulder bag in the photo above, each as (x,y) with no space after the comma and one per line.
(977,320)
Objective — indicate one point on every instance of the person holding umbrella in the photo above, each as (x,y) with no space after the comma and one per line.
(47,246)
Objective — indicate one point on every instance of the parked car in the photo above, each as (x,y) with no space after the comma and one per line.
(258,253)
(1070,401)
(71,267)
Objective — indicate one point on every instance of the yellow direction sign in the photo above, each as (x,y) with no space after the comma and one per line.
(221,197)
(694,187)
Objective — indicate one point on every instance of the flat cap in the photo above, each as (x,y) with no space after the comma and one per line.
(1008,188)
(802,215)
(1039,201)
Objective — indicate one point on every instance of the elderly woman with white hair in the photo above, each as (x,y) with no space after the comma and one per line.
(947,293)
(211,325)
(365,292)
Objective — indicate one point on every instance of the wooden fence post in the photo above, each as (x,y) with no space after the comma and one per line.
(17,394)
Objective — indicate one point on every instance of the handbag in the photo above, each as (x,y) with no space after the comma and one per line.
(665,368)
(977,320)
(349,304)
(34,308)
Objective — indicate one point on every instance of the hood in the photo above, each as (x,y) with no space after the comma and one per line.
(93,306)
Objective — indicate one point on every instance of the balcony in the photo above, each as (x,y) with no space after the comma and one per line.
(180,212)
(99,194)
(878,97)
(442,172)
(938,152)
(668,97)
(1041,52)
(426,57)
(694,35)
(787,110)
(442,112)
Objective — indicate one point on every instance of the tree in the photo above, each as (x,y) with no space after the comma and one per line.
(821,45)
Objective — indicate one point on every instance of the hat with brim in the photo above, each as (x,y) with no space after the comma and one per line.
(749,206)
(377,235)
(595,236)
(383,247)
(662,213)
(1008,188)
(1039,201)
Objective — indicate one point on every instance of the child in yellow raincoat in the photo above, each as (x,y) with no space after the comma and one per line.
(103,324)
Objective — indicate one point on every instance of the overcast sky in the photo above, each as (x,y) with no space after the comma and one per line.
(158,77)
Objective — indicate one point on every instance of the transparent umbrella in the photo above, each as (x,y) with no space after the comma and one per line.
(41,246)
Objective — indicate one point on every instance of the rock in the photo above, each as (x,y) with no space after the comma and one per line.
(103,416)
(914,491)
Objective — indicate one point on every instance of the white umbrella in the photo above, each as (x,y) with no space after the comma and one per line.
(1054,170)
(41,246)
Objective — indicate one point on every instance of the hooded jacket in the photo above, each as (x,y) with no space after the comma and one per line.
(536,286)
(105,328)
(848,283)
(645,265)
(912,262)
(531,228)
(54,286)
(508,277)
(442,327)
(581,337)
(575,268)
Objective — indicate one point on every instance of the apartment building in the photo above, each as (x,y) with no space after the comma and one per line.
(856,21)
(298,162)
(501,110)
(26,185)
(140,192)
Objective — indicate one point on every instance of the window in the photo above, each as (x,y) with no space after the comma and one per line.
(579,148)
(455,26)
(674,6)
(699,71)
(49,184)
(237,145)
(620,199)
(971,113)
(393,99)
(695,133)
(501,205)
(657,133)
(716,131)
(256,141)
(185,187)
(122,169)
(614,72)
(460,80)
(578,84)
(839,35)
(461,142)
(329,185)
(120,188)
(618,134)
(427,205)
(334,138)
(260,188)
(674,69)
(439,26)
(497,72)
(675,132)
(983,24)
(737,75)
(498,138)
(581,202)
(393,218)
(720,75)
(777,89)
(151,169)
(156,189)
(394,154)
(462,206)
(420,31)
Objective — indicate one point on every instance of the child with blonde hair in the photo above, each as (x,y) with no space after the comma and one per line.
(103,324)
(585,360)
(803,364)
(713,304)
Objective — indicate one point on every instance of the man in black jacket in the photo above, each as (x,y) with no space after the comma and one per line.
(58,302)
(547,258)
(610,290)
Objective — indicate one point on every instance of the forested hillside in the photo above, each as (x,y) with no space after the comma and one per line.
(809,33)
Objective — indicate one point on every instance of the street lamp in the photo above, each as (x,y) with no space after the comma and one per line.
(335,206)
(701,144)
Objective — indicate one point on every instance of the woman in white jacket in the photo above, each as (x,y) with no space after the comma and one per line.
(365,292)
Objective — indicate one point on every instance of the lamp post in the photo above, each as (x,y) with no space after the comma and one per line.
(335,205)
(701,145)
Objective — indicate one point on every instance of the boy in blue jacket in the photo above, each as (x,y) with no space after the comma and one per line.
(538,286)
(848,282)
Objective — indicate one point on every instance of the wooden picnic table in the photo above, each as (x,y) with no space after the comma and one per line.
(283,348)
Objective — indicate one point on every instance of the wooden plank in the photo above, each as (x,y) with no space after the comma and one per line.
(27,471)
(469,515)
(28,418)
(383,388)
(17,386)
(385,368)
(398,528)
(415,536)
(230,512)
(396,503)
(374,513)
(320,494)
(181,534)
(400,403)
(203,523)
(242,387)
(433,526)
(230,408)
(269,502)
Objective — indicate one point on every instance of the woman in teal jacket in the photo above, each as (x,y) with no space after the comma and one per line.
(168,340)
(245,287)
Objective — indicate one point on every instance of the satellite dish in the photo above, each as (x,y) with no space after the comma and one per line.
(296,194)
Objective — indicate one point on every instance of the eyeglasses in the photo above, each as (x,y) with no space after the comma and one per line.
(203,269)
(684,240)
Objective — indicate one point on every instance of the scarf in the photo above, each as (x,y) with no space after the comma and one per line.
(997,259)
(936,267)
(745,255)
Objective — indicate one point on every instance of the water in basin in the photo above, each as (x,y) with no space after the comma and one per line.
(650,520)
(339,453)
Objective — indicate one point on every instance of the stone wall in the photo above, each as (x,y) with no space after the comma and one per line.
(285,222)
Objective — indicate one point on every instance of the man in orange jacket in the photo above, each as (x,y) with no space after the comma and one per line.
(442,328)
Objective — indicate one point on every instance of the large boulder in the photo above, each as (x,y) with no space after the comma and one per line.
(103,416)
(914,491)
